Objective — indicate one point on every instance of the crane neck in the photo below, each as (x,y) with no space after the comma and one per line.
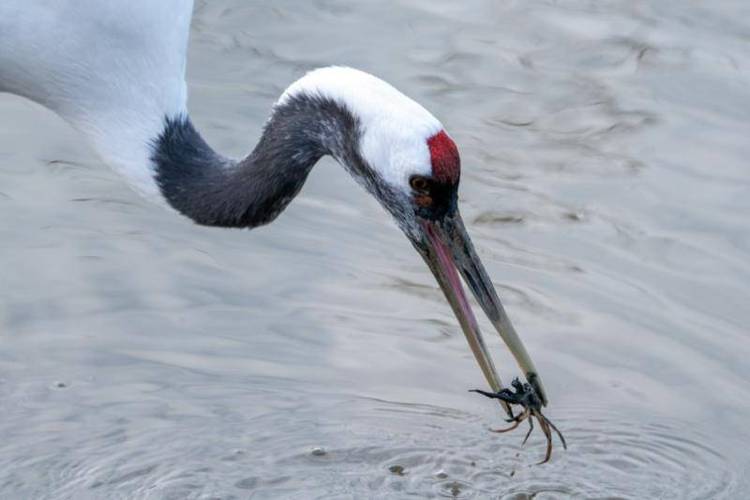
(215,191)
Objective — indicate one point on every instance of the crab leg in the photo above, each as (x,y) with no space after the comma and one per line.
(516,422)
(548,435)
(531,429)
(559,434)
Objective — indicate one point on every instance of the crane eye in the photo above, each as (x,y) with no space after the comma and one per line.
(420,184)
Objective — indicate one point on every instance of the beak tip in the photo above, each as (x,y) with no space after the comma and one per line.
(533,379)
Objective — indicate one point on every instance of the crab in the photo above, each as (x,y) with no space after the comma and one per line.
(526,396)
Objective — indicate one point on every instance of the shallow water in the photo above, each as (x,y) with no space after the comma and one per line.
(606,186)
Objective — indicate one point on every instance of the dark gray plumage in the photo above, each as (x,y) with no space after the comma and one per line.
(215,191)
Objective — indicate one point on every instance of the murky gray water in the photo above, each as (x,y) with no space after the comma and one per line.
(606,184)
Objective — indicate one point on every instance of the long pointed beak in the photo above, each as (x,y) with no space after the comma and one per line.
(447,250)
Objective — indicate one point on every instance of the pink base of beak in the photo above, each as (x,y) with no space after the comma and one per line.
(454,280)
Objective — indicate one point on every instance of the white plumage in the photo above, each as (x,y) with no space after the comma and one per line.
(112,69)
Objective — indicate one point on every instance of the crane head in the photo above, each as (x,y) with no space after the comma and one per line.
(403,156)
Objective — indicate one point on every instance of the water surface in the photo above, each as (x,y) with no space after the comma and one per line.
(606,185)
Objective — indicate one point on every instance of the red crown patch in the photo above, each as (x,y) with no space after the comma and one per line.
(446,164)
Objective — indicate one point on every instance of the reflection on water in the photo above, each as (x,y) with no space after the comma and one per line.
(606,187)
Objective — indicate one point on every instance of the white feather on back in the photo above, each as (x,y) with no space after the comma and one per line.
(395,127)
(114,69)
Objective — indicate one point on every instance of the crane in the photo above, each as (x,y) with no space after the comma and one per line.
(115,71)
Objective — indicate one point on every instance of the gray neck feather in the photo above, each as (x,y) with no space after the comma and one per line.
(215,191)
